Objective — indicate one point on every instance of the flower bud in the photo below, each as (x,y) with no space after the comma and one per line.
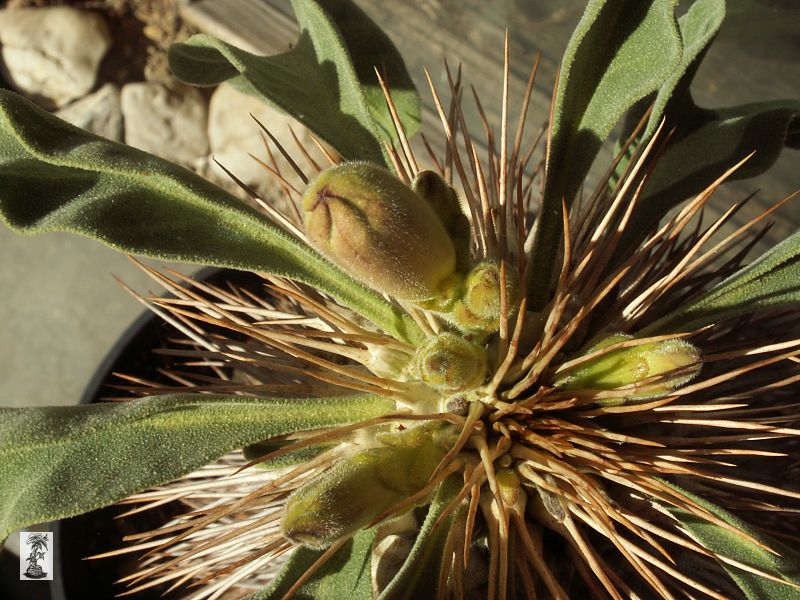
(431,187)
(352,493)
(479,307)
(442,198)
(450,363)
(677,361)
(369,223)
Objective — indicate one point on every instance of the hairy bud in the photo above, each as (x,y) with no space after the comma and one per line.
(450,363)
(352,493)
(675,361)
(369,223)
(480,305)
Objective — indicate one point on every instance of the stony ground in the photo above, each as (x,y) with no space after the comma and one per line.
(102,65)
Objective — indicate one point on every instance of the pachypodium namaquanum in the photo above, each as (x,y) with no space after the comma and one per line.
(464,376)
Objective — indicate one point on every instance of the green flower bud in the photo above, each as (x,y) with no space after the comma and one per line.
(628,366)
(352,493)
(450,363)
(376,228)
(479,308)
(443,199)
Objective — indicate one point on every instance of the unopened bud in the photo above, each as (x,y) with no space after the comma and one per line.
(450,363)
(442,198)
(677,361)
(371,224)
(355,491)
(480,306)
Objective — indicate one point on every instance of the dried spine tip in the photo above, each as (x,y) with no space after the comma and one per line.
(450,363)
(351,494)
(371,224)
(660,367)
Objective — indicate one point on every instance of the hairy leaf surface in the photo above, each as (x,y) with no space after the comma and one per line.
(784,563)
(326,81)
(61,461)
(621,51)
(345,576)
(57,177)
(771,280)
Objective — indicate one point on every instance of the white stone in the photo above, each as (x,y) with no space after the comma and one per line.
(99,112)
(52,54)
(170,123)
(233,135)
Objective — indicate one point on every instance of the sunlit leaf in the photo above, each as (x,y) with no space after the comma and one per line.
(621,51)
(56,177)
(326,81)
(773,279)
(61,461)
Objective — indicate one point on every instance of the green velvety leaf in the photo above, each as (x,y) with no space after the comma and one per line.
(56,177)
(705,148)
(698,28)
(770,280)
(326,81)
(419,576)
(785,564)
(621,51)
(61,461)
(705,143)
(345,576)
(290,459)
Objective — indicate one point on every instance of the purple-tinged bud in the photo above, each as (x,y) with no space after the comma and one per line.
(376,228)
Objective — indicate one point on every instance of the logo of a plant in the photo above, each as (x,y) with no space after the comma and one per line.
(438,395)
(37,542)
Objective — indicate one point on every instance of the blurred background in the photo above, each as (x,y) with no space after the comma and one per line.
(62,308)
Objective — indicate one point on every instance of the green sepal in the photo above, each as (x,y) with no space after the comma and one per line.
(326,81)
(57,177)
(61,461)
(346,575)
(784,563)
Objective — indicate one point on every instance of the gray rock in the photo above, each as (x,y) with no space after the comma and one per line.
(233,135)
(170,123)
(52,54)
(99,112)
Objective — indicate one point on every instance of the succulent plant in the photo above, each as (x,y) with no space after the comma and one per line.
(437,395)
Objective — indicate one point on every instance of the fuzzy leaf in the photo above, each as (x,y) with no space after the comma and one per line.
(61,461)
(785,564)
(705,143)
(345,576)
(56,177)
(621,51)
(704,147)
(421,572)
(770,280)
(698,28)
(326,81)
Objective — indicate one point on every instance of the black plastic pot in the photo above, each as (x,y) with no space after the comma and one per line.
(100,531)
